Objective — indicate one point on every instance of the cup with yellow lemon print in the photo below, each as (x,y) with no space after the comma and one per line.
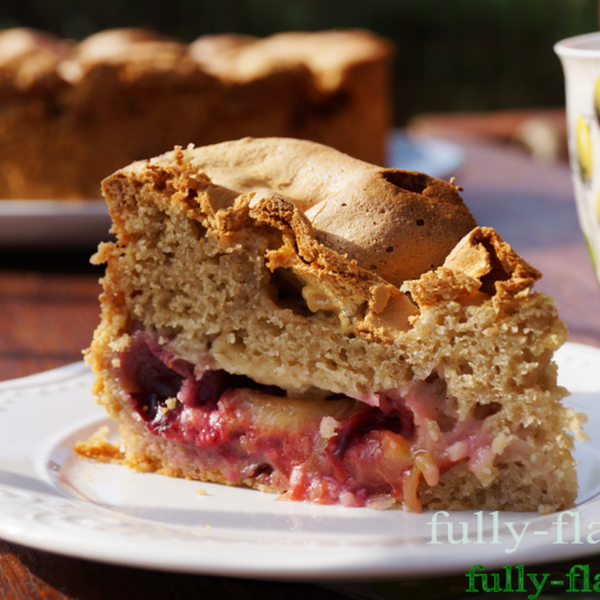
(580,58)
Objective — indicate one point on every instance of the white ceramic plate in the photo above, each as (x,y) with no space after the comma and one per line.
(53,223)
(436,157)
(85,223)
(52,500)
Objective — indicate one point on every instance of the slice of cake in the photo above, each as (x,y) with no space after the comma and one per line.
(74,113)
(279,315)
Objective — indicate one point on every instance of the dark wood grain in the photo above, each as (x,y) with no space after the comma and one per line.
(49,309)
(27,574)
(46,319)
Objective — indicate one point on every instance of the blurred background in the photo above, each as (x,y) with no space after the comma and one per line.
(452,55)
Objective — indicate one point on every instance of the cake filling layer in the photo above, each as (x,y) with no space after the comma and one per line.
(318,447)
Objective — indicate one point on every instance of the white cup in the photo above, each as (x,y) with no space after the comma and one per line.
(580,58)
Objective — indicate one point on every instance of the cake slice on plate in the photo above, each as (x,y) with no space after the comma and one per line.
(279,315)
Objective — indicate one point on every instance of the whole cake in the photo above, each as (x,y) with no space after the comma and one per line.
(72,114)
(279,315)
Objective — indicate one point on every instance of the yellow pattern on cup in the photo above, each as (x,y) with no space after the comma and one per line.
(597,97)
(583,147)
(591,252)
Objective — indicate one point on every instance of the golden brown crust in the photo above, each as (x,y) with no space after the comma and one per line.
(481,262)
(29,61)
(394,223)
(119,44)
(238,58)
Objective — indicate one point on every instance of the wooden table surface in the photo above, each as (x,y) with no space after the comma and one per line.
(48,310)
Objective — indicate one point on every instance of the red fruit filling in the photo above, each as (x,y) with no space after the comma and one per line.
(335,450)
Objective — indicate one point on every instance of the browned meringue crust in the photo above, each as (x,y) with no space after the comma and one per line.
(74,113)
(208,236)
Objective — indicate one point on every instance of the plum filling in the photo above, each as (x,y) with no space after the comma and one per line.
(151,384)
(325,450)
(400,421)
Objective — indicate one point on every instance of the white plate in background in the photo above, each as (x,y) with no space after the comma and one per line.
(435,157)
(53,223)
